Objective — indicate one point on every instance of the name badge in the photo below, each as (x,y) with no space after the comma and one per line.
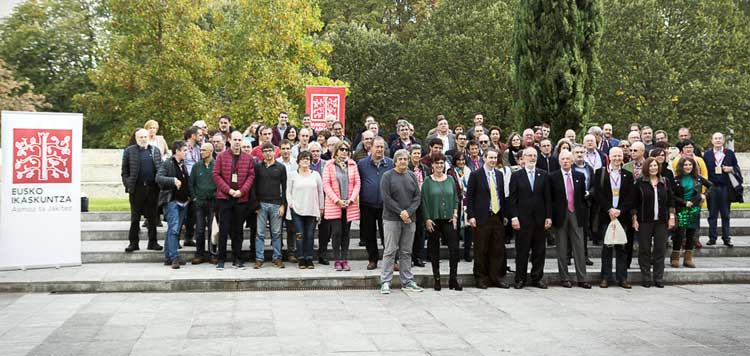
(616,192)
(718,170)
(234,178)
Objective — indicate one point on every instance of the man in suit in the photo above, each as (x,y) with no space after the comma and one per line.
(485,194)
(546,160)
(569,215)
(613,188)
(595,158)
(443,132)
(531,215)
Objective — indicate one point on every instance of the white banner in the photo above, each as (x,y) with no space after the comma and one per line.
(40,214)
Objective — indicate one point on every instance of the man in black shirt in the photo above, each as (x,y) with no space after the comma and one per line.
(270,191)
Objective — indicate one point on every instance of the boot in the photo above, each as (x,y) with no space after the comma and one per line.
(437,285)
(675,259)
(688,262)
(453,280)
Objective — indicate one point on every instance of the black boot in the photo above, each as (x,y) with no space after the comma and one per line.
(453,281)
(437,285)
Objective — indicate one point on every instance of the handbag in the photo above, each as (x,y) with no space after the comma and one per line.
(615,234)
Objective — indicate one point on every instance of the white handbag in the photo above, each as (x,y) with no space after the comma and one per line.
(615,234)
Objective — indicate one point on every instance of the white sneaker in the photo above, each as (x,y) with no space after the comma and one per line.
(412,287)
(385,288)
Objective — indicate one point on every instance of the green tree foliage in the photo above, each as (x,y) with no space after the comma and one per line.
(54,44)
(555,61)
(676,63)
(17,95)
(402,18)
(266,55)
(158,68)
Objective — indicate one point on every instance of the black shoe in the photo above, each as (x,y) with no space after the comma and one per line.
(362,243)
(500,283)
(190,242)
(728,244)
(589,262)
(584,285)
(159,224)
(179,246)
(323,261)
(567,284)
(659,284)
(570,262)
(437,285)
(597,242)
(154,246)
(145,223)
(418,262)
(646,284)
(132,248)
(167,262)
(519,285)
(481,284)
(507,268)
(453,284)
(539,284)
(711,242)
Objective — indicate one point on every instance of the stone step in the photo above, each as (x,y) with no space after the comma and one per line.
(113,251)
(118,230)
(125,215)
(153,277)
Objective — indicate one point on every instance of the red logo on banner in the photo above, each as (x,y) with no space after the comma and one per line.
(42,156)
(322,101)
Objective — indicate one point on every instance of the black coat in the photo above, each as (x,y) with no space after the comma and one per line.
(549,164)
(131,165)
(478,195)
(530,207)
(643,201)
(679,191)
(559,200)
(165,178)
(601,187)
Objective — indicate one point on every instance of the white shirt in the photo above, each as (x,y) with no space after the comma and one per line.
(593,159)
(656,202)
(615,180)
(445,140)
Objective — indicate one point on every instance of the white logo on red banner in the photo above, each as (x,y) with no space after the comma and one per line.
(42,156)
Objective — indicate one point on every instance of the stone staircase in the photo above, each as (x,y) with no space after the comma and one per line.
(106,268)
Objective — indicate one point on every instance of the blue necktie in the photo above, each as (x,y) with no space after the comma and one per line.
(531,180)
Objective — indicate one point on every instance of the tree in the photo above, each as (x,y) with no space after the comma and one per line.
(158,68)
(402,18)
(676,63)
(54,44)
(17,95)
(555,60)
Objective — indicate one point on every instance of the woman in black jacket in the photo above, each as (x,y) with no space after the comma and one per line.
(687,198)
(653,214)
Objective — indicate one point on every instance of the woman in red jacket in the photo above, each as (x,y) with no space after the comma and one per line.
(341,184)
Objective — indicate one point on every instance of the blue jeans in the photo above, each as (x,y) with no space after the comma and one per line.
(621,271)
(304,225)
(175,215)
(268,213)
(718,203)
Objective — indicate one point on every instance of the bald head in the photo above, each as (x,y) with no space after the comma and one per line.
(566,160)
(141,138)
(615,156)
(637,149)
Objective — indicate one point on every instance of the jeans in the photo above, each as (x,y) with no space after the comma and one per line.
(204,216)
(304,225)
(621,272)
(718,203)
(399,238)
(268,213)
(175,214)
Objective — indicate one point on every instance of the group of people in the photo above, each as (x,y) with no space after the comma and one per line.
(465,185)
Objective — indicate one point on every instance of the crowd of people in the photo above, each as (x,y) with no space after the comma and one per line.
(460,187)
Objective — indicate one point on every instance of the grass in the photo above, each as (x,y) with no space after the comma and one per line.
(109,204)
(740,205)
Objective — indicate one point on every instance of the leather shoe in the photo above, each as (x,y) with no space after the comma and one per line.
(197,260)
(372,265)
(132,248)
(589,262)
(567,284)
(323,261)
(659,284)
(362,243)
(584,285)
(501,284)
(646,284)
(481,284)
(519,285)
(604,284)
(154,246)
(711,242)
(728,244)
(190,242)
(597,242)
(418,262)
(539,284)
(625,285)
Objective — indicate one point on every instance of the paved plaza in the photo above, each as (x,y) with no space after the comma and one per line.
(678,320)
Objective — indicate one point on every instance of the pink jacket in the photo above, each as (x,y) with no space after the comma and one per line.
(333,194)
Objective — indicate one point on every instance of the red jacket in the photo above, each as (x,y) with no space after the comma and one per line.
(223,175)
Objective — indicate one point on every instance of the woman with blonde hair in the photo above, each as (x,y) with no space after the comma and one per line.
(341,185)
(155,140)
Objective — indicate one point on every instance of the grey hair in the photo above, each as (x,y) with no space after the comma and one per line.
(595,130)
(399,153)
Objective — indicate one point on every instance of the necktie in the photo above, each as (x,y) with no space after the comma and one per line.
(494,202)
(531,180)
(569,192)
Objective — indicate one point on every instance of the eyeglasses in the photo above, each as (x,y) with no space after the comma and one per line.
(484,141)
(267,151)
(438,163)
(344,149)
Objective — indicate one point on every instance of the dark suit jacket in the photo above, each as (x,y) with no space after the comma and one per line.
(478,195)
(559,199)
(550,164)
(530,207)
(602,190)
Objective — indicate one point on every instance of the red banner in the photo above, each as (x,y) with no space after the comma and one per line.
(321,101)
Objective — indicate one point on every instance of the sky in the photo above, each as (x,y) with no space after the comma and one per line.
(6,6)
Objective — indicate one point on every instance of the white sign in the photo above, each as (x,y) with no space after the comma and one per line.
(40,214)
